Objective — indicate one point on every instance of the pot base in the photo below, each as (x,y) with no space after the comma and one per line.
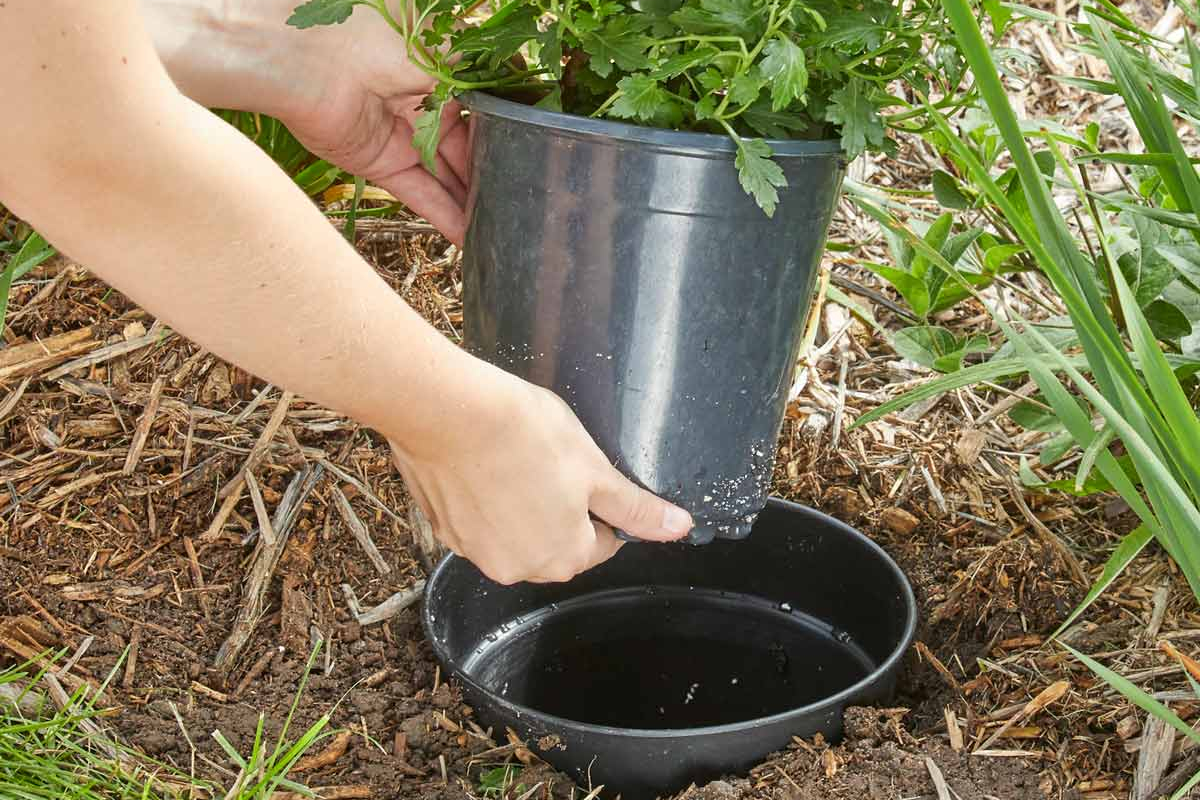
(666,658)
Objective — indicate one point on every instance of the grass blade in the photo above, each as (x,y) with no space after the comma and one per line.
(1135,695)
(1126,551)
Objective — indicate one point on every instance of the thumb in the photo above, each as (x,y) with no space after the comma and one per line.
(625,506)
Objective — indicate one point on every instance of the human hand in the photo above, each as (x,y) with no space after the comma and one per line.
(348,92)
(512,490)
(359,110)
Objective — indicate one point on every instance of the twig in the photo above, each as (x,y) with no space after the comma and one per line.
(1052,539)
(142,432)
(1158,739)
(135,644)
(1049,695)
(261,446)
(939,780)
(266,558)
(393,605)
(260,509)
(360,532)
(362,488)
(109,352)
(197,577)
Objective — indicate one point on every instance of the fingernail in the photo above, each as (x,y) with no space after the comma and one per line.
(676,520)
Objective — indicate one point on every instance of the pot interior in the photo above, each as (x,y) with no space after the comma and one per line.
(673,637)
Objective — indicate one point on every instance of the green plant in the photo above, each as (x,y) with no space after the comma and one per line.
(746,68)
(1134,394)
(266,769)
(61,753)
(33,251)
(497,781)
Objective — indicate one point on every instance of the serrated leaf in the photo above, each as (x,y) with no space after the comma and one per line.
(759,175)
(784,65)
(502,35)
(621,42)
(682,62)
(773,124)
(745,87)
(853,111)
(721,17)
(427,129)
(322,12)
(711,79)
(642,98)
(947,192)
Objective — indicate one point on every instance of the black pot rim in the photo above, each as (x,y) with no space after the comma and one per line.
(676,141)
(833,701)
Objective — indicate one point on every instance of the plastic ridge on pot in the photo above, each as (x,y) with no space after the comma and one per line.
(625,269)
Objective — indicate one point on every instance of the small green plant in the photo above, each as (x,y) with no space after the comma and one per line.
(266,769)
(778,69)
(29,253)
(497,781)
(53,753)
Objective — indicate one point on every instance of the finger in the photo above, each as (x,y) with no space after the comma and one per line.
(604,546)
(622,504)
(445,176)
(428,198)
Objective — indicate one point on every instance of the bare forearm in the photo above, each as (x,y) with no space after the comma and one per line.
(186,216)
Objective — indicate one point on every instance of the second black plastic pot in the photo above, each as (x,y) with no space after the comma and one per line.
(673,664)
(626,269)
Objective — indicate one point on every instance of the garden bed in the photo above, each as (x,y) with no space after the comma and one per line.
(92,552)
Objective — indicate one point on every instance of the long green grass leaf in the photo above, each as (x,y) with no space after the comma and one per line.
(1135,695)
(1126,551)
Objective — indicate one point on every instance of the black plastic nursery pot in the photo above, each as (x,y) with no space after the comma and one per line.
(625,269)
(671,664)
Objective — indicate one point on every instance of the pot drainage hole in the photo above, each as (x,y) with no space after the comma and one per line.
(666,658)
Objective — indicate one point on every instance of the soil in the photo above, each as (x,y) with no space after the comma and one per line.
(96,555)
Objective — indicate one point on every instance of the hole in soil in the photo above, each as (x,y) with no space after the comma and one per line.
(666,658)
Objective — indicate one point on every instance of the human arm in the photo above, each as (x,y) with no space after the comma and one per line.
(175,208)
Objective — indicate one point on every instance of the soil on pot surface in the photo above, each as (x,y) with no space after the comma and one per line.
(161,566)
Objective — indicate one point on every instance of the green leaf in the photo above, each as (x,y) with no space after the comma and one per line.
(642,98)
(1168,323)
(936,347)
(503,35)
(621,42)
(683,62)
(911,287)
(427,128)
(722,17)
(772,124)
(995,257)
(783,64)
(323,12)
(947,192)
(1135,695)
(552,101)
(759,175)
(852,109)
(745,87)
(34,251)
(1124,553)
(992,370)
